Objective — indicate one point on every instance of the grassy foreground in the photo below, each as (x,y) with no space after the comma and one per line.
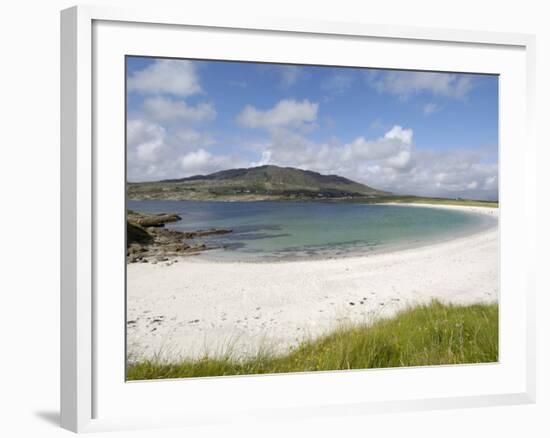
(432,334)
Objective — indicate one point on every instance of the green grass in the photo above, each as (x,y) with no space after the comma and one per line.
(431,334)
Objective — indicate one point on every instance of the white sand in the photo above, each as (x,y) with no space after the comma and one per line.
(185,309)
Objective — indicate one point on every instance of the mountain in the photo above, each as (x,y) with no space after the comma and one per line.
(255,183)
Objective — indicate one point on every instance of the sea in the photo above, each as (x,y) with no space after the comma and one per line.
(283,231)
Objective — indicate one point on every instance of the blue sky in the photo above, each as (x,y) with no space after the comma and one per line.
(411,132)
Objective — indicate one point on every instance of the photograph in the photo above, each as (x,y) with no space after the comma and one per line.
(289,218)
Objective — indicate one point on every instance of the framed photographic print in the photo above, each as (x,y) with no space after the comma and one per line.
(288,218)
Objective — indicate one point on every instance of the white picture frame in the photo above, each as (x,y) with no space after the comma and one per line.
(84,384)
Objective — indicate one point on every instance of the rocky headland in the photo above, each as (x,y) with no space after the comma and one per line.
(149,241)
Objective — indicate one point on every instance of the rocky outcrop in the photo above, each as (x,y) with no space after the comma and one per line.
(210,232)
(152,220)
(149,242)
(136,234)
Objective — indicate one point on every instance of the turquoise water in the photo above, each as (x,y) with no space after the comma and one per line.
(265,230)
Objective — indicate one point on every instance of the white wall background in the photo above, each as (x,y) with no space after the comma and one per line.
(29,218)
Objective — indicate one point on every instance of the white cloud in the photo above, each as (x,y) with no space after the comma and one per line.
(286,113)
(430,108)
(284,76)
(490,183)
(290,148)
(145,139)
(383,148)
(178,77)
(203,162)
(145,148)
(337,83)
(399,161)
(147,151)
(166,109)
(405,84)
(196,160)
(165,128)
(264,159)
(166,138)
(155,152)
(391,162)
(192,138)
(455,173)
(397,132)
(289,75)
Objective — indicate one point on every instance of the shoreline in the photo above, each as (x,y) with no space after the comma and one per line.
(364,251)
(198,306)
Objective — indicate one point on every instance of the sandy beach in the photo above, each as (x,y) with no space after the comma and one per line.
(192,307)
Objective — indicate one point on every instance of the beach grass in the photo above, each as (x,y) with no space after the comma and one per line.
(429,334)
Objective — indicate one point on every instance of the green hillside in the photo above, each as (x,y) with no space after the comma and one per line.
(256,183)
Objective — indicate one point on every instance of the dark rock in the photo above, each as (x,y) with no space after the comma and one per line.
(132,258)
(150,242)
(213,232)
(136,234)
(177,247)
(153,220)
(202,233)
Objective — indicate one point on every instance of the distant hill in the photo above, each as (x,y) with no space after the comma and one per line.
(255,183)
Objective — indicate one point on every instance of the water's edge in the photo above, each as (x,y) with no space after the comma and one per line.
(256,241)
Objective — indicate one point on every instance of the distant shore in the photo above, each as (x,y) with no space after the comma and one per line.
(251,197)
(197,307)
